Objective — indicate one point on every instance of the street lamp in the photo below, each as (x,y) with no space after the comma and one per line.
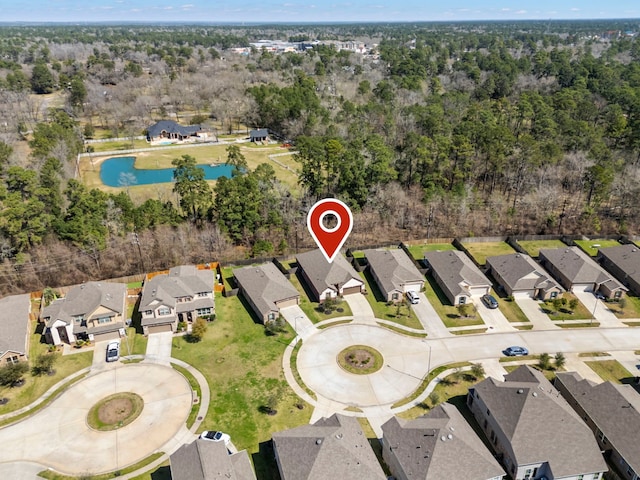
(593,315)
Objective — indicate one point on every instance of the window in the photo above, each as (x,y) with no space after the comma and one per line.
(203,311)
(164,311)
(271,316)
(527,474)
(618,294)
(580,477)
(202,294)
(553,295)
(488,413)
(13,359)
(395,296)
(463,300)
(103,320)
(77,319)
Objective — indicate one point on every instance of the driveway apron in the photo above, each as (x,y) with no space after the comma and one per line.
(159,348)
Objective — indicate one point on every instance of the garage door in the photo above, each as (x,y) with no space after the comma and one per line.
(582,288)
(477,292)
(102,337)
(160,328)
(287,303)
(351,290)
(522,295)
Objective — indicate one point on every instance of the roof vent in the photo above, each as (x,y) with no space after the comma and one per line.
(450,437)
(318,441)
(443,438)
(452,429)
(535,394)
(339,436)
(520,390)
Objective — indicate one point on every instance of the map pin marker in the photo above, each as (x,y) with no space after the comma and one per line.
(330,240)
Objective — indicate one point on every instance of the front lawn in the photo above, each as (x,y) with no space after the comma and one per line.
(480,251)
(417,251)
(449,314)
(533,246)
(610,370)
(314,310)
(510,309)
(591,247)
(564,313)
(630,310)
(243,367)
(401,313)
(35,386)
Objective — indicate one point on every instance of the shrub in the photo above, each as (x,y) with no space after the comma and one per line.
(545,361)
(560,360)
(44,363)
(198,329)
(477,371)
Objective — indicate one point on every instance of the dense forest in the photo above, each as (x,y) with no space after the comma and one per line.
(436,130)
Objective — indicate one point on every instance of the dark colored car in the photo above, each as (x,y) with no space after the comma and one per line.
(490,301)
(516,351)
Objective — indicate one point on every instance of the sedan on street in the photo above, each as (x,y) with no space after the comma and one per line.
(515,351)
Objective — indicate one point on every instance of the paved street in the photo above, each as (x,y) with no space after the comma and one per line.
(58,435)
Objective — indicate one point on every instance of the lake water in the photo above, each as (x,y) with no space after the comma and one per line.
(120,171)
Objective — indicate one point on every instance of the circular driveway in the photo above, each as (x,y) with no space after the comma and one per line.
(405,365)
(58,435)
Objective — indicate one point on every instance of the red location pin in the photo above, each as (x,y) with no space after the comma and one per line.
(330,240)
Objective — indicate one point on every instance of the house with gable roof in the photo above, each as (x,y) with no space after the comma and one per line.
(181,295)
(436,446)
(328,280)
(170,131)
(519,275)
(612,412)
(92,311)
(575,270)
(14,328)
(624,263)
(266,289)
(533,431)
(334,447)
(206,460)
(457,275)
(394,273)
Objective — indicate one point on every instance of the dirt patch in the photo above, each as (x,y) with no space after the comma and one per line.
(115,411)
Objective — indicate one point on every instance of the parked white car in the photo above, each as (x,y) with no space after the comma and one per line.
(214,436)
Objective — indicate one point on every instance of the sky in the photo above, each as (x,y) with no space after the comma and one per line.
(292,11)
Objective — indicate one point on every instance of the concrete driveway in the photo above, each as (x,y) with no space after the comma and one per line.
(531,308)
(58,435)
(429,318)
(493,318)
(360,308)
(100,356)
(159,348)
(599,309)
(298,321)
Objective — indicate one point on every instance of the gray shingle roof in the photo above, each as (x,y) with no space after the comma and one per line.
(440,445)
(265,285)
(530,412)
(205,460)
(456,271)
(626,258)
(323,274)
(170,126)
(182,281)
(578,267)
(14,323)
(393,268)
(615,409)
(333,447)
(521,272)
(85,299)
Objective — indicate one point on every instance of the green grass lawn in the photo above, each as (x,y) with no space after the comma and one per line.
(533,246)
(417,251)
(480,251)
(447,312)
(401,314)
(589,246)
(243,368)
(313,310)
(119,145)
(631,308)
(35,386)
(580,313)
(510,309)
(610,370)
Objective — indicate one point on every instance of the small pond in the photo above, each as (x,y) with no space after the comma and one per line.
(120,172)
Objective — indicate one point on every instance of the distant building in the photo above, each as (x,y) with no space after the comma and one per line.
(259,135)
(170,131)
(624,263)
(520,275)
